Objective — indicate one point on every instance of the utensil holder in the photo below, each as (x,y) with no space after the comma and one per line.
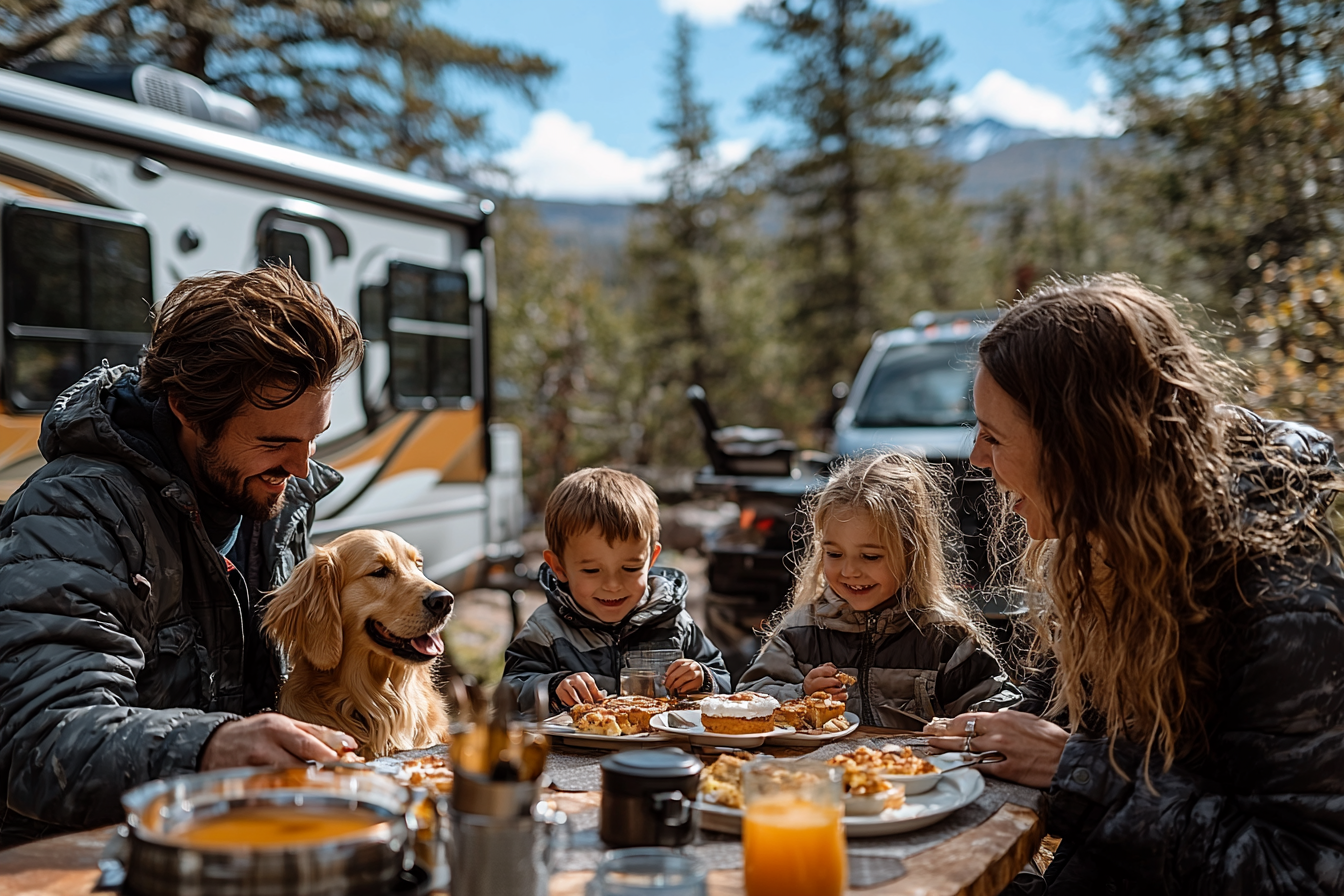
(503,856)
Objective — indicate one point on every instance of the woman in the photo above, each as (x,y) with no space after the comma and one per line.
(1187,597)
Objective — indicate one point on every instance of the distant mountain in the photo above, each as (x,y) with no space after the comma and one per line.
(973,141)
(1031,164)
(1008,159)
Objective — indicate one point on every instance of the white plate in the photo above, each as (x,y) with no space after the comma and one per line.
(812,738)
(698,734)
(565,732)
(955,790)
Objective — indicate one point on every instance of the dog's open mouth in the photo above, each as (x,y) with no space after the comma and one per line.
(426,647)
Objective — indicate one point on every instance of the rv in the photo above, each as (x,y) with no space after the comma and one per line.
(107,202)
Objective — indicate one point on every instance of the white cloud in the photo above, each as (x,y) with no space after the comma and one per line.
(559,158)
(707,12)
(1014,102)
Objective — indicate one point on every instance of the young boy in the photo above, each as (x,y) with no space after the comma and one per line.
(605,598)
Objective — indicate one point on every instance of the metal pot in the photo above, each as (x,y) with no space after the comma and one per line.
(647,797)
(365,862)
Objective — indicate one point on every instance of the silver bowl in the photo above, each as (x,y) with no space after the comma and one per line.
(365,862)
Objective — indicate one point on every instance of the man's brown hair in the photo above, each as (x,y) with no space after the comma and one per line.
(264,337)
(619,505)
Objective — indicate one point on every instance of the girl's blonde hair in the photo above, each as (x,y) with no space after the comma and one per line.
(907,500)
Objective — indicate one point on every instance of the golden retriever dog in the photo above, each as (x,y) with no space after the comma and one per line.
(359,623)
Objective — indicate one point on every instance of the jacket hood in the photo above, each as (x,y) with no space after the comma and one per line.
(79,423)
(1286,472)
(664,599)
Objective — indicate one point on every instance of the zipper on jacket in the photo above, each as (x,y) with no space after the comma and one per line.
(865,667)
(221,565)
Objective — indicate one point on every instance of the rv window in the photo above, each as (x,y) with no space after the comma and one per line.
(281,245)
(77,291)
(430,335)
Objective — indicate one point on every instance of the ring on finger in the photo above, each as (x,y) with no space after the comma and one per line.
(970,728)
(966,747)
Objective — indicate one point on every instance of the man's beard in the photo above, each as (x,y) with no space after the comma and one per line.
(227,485)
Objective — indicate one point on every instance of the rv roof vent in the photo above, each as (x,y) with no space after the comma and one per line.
(179,92)
(152,85)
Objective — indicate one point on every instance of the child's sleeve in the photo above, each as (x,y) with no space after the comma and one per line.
(530,659)
(774,671)
(695,646)
(972,681)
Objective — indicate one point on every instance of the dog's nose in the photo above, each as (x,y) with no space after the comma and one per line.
(439,603)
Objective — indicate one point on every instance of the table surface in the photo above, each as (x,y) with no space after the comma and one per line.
(979,862)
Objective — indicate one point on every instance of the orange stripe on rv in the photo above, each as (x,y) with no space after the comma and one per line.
(438,444)
(375,446)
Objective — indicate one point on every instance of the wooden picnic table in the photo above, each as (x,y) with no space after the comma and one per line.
(978,862)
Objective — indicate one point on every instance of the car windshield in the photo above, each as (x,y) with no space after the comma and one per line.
(921,385)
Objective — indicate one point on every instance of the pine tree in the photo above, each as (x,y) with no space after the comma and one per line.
(1235,107)
(367,78)
(704,287)
(860,95)
(1241,169)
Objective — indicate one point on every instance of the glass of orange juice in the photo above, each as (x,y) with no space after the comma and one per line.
(793,835)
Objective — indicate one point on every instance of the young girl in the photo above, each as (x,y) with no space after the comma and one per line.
(873,601)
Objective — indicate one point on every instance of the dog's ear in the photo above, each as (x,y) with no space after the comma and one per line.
(304,614)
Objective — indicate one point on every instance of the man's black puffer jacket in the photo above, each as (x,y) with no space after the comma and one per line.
(125,639)
(1263,812)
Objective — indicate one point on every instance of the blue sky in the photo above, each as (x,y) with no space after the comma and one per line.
(594,136)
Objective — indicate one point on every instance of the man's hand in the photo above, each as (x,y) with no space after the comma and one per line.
(1033,746)
(823,678)
(579,688)
(272,739)
(684,677)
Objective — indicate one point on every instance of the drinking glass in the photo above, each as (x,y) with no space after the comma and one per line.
(639,682)
(655,660)
(793,835)
(648,870)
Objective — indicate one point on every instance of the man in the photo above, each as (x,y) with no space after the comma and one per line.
(132,564)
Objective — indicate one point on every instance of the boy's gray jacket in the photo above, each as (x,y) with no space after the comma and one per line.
(125,639)
(905,672)
(560,639)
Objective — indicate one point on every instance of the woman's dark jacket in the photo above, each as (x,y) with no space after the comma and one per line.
(125,638)
(1263,811)
(905,671)
(560,639)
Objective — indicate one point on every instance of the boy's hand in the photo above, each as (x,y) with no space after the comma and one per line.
(684,677)
(579,688)
(823,678)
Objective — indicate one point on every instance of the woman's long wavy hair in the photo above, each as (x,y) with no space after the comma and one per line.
(907,500)
(1136,470)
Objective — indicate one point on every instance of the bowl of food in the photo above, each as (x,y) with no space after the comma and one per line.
(267,832)
(892,763)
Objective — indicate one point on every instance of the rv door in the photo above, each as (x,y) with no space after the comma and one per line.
(77,293)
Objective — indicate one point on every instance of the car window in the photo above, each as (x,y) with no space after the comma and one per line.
(920,385)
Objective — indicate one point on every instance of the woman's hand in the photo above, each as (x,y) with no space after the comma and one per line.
(1033,746)
(823,678)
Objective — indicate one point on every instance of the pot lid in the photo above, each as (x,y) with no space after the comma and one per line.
(664,763)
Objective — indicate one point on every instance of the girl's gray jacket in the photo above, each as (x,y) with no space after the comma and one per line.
(906,672)
(560,639)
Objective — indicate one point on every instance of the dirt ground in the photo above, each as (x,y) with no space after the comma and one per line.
(481,626)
